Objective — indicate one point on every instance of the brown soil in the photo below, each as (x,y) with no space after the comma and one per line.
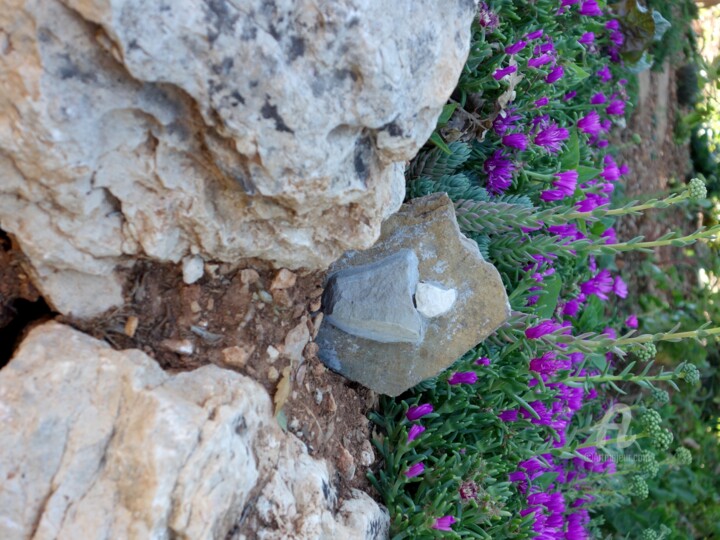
(231,318)
(657,164)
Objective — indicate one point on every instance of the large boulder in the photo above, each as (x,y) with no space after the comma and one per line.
(211,130)
(98,443)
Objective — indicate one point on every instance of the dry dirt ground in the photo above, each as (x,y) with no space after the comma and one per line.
(254,320)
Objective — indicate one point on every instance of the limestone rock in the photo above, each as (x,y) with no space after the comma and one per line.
(447,259)
(433,300)
(272,129)
(98,443)
(193,269)
(375,301)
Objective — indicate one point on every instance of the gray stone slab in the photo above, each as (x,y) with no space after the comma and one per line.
(375,301)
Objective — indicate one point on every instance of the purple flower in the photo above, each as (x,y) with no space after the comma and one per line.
(502,72)
(551,137)
(486,17)
(483,361)
(499,172)
(566,181)
(415,470)
(599,285)
(590,123)
(631,321)
(613,25)
(617,38)
(418,411)
(548,364)
(509,415)
(542,329)
(515,47)
(468,490)
(415,432)
(515,140)
(546,47)
(555,74)
(571,308)
(624,169)
(604,74)
(587,38)
(552,195)
(598,99)
(571,94)
(444,523)
(505,120)
(610,236)
(620,288)
(568,230)
(617,107)
(540,61)
(535,35)
(541,102)
(564,185)
(611,173)
(463,377)
(590,9)
(591,202)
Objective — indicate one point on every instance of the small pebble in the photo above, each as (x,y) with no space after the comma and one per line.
(346,464)
(249,276)
(273,354)
(316,293)
(193,269)
(315,305)
(317,321)
(131,326)
(180,346)
(195,307)
(318,396)
(265,297)
(273,374)
(367,454)
(237,356)
(284,279)
(294,424)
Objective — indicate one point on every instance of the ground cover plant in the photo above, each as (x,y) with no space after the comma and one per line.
(562,414)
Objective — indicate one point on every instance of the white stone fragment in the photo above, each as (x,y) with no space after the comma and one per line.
(432,300)
(193,269)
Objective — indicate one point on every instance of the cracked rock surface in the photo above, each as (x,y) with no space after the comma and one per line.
(275,129)
(100,443)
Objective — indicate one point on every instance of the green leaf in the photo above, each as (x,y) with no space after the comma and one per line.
(585,174)
(571,157)
(436,139)
(547,303)
(577,72)
(446,113)
(544,480)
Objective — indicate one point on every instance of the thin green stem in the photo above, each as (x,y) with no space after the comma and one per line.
(540,175)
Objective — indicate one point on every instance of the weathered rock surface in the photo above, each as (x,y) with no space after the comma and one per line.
(375,301)
(447,260)
(272,129)
(97,443)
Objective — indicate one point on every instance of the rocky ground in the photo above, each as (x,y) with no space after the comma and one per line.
(256,321)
